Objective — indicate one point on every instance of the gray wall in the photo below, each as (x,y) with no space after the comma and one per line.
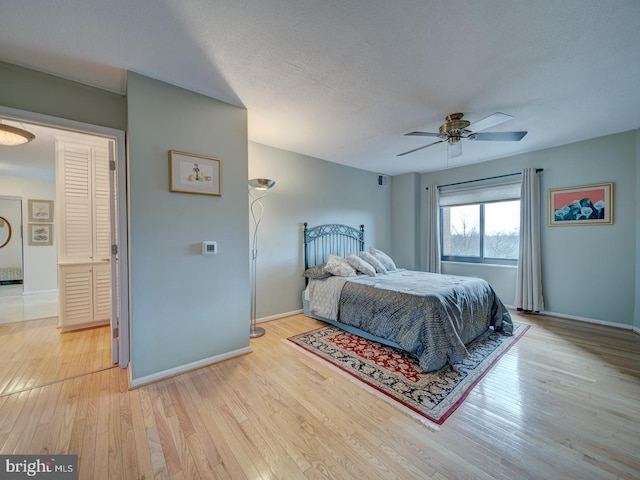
(315,191)
(38,92)
(405,221)
(589,272)
(636,322)
(185,307)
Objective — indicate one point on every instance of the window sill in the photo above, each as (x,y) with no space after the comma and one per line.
(478,265)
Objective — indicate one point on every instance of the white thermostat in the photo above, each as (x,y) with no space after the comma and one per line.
(209,248)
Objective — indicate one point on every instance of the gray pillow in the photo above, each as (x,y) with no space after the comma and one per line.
(316,272)
(339,267)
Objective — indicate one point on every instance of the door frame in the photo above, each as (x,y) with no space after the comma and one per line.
(19,229)
(122,205)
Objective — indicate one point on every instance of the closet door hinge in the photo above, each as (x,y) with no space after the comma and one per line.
(114,249)
(112,165)
(116,332)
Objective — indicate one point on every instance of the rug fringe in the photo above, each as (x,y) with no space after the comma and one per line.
(426,422)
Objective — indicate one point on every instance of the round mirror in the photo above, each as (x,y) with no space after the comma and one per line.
(5,231)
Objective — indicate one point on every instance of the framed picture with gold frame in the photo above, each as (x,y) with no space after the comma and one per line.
(585,205)
(191,173)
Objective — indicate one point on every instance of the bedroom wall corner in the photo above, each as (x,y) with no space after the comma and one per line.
(309,190)
(636,316)
(185,307)
(405,221)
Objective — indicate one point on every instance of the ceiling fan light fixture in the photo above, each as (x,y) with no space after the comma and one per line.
(455,124)
(454,148)
(455,129)
(12,136)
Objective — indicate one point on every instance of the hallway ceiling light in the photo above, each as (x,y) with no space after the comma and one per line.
(10,136)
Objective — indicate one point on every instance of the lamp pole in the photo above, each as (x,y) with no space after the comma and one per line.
(258,189)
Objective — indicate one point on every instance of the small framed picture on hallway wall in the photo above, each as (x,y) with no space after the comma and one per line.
(40,234)
(41,211)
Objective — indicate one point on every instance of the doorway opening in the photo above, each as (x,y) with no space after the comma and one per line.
(32,174)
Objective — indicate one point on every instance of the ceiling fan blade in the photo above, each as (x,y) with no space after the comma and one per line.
(421,134)
(419,148)
(454,149)
(498,136)
(488,122)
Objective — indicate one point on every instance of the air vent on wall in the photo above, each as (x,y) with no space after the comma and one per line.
(383,180)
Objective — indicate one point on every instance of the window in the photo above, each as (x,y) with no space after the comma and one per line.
(481,224)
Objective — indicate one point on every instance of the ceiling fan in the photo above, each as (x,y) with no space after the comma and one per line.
(455,129)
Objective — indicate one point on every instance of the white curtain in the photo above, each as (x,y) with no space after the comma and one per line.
(529,279)
(433,231)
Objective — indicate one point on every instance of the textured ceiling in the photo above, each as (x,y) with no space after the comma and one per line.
(344,80)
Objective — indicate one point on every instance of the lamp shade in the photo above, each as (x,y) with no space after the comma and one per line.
(261,183)
(10,136)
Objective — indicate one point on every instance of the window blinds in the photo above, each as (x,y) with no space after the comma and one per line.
(482,191)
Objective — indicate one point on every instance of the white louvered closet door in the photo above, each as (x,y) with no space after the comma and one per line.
(101,206)
(102,234)
(74,202)
(84,273)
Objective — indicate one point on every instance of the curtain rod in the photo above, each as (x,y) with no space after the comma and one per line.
(538,170)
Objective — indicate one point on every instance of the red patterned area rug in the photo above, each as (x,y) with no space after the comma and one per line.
(395,375)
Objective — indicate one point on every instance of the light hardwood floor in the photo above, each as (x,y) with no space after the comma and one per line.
(564,402)
(35,353)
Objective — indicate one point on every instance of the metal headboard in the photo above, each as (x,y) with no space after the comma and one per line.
(334,238)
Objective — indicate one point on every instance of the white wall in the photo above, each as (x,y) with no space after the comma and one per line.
(40,262)
(185,307)
(308,190)
(11,228)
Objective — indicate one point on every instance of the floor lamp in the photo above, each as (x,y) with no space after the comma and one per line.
(258,188)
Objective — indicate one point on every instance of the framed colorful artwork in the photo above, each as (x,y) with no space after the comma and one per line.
(586,205)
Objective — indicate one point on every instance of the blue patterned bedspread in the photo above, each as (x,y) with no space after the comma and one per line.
(432,316)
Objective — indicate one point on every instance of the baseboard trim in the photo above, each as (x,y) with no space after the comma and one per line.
(39,292)
(172,372)
(82,326)
(593,321)
(279,315)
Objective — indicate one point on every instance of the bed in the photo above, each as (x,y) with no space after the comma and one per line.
(432,316)
(10,275)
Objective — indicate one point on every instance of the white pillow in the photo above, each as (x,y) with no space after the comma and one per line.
(360,265)
(336,258)
(373,261)
(339,267)
(383,258)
